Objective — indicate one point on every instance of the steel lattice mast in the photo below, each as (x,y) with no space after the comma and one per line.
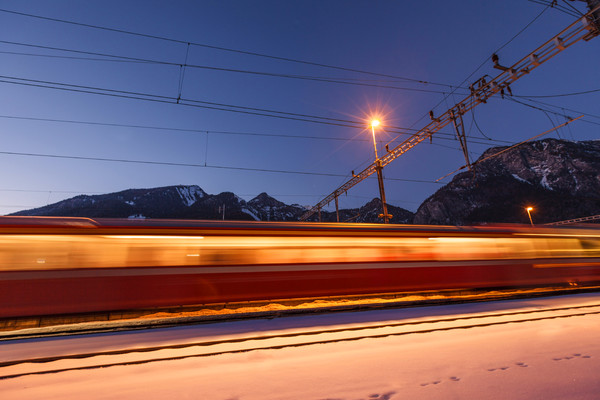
(586,28)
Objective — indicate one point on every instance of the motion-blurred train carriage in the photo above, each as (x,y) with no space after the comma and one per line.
(76,265)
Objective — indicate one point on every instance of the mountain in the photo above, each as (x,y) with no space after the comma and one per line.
(191,202)
(265,208)
(167,202)
(560,179)
(369,213)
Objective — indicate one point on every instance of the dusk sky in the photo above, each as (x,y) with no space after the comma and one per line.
(89,93)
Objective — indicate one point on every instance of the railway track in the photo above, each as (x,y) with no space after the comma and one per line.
(63,360)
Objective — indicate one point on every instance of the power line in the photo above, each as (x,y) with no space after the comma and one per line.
(186,42)
(192,165)
(555,5)
(560,95)
(537,108)
(19,53)
(113,57)
(510,147)
(194,103)
(44,191)
(482,64)
(163,128)
(496,51)
(564,108)
(546,110)
(205,131)
(186,102)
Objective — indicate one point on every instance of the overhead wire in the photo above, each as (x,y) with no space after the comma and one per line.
(19,53)
(511,147)
(477,125)
(163,38)
(587,114)
(193,165)
(540,108)
(218,132)
(560,94)
(187,130)
(554,4)
(487,59)
(194,103)
(235,108)
(575,10)
(173,100)
(336,80)
(453,90)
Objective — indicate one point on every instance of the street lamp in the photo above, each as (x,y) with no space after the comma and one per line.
(529,210)
(375,123)
(379,168)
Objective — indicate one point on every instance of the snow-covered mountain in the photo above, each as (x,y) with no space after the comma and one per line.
(369,213)
(157,202)
(560,179)
(191,202)
(265,208)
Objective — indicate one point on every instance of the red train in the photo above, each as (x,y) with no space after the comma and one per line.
(73,265)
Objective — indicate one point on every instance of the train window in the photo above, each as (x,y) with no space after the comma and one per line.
(560,247)
(35,252)
(590,246)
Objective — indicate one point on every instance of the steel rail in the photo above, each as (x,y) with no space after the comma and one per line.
(531,317)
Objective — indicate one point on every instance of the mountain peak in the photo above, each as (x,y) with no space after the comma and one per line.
(559,178)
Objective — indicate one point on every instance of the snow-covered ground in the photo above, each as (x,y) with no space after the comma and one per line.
(549,358)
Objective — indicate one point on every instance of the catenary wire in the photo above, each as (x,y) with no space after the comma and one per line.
(173,100)
(204,131)
(192,165)
(192,103)
(487,59)
(539,108)
(555,5)
(559,95)
(114,57)
(156,37)
(564,108)
(454,88)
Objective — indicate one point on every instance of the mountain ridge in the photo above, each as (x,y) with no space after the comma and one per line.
(560,179)
(192,202)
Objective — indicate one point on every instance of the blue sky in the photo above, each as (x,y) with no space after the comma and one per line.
(437,42)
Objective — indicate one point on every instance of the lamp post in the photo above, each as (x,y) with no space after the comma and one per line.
(375,123)
(529,210)
(379,168)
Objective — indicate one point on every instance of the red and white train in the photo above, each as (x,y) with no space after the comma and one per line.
(75,265)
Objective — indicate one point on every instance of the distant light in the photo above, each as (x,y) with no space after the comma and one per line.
(529,209)
(375,123)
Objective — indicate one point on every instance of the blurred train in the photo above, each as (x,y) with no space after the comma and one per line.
(54,265)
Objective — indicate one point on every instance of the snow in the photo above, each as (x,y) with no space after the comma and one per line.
(189,194)
(136,216)
(556,358)
(543,171)
(249,212)
(131,203)
(517,177)
(544,182)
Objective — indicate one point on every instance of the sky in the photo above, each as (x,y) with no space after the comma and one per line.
(267,96)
